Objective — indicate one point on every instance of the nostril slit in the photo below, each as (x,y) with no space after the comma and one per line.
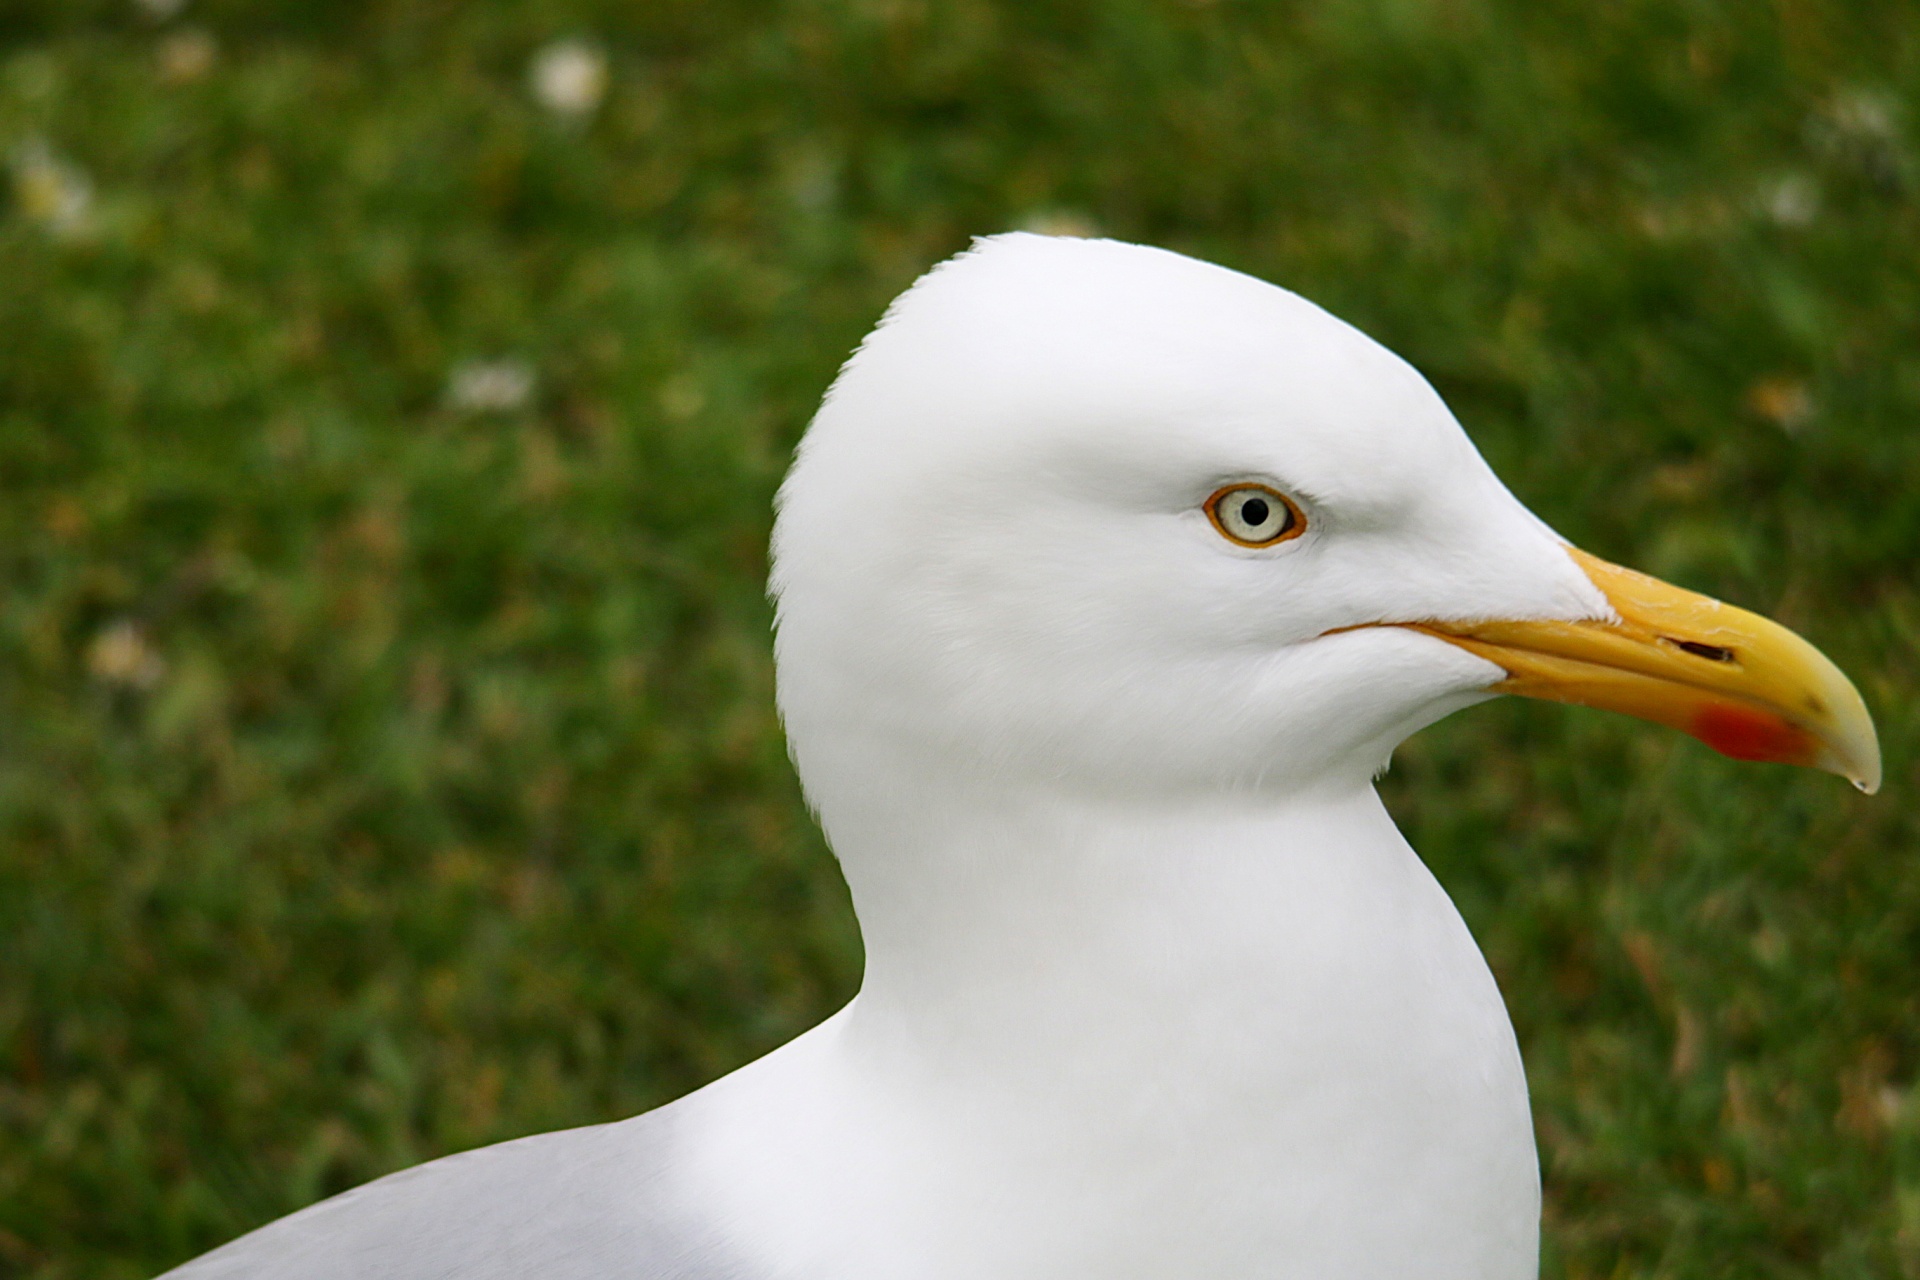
(1711,652)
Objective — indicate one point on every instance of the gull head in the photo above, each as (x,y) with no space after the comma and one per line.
(1090,515)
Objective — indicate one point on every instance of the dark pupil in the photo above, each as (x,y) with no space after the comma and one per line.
(1255,512)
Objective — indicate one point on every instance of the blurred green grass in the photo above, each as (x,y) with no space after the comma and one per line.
(387,762)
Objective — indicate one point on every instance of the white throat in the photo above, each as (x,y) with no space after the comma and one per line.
(1216,1034)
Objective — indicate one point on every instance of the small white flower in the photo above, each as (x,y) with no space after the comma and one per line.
(1793,201)
(1861,128)
(490,386)
(1863,113)
(120,655)
(187,56)
(51,191)
(1059,222)
(569,77)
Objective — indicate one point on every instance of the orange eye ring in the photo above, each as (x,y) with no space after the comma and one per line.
(1253,515)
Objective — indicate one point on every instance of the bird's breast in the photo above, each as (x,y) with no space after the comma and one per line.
(1300,1056)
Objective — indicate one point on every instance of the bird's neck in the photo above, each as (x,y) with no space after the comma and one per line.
(1049,928)
(1111,1038)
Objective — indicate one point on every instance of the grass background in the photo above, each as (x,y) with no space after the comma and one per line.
(382,773)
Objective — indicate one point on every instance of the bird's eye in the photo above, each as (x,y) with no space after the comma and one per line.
(1254,515)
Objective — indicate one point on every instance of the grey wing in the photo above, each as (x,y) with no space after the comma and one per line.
(583,1204)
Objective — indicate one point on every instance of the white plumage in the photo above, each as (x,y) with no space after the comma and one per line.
(1154,987)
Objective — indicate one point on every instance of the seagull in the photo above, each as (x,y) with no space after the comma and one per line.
(1106,582)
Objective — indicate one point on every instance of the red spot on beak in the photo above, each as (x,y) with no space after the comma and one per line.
(1747,733)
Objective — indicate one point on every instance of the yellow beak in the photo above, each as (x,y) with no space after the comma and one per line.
(1747,687)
